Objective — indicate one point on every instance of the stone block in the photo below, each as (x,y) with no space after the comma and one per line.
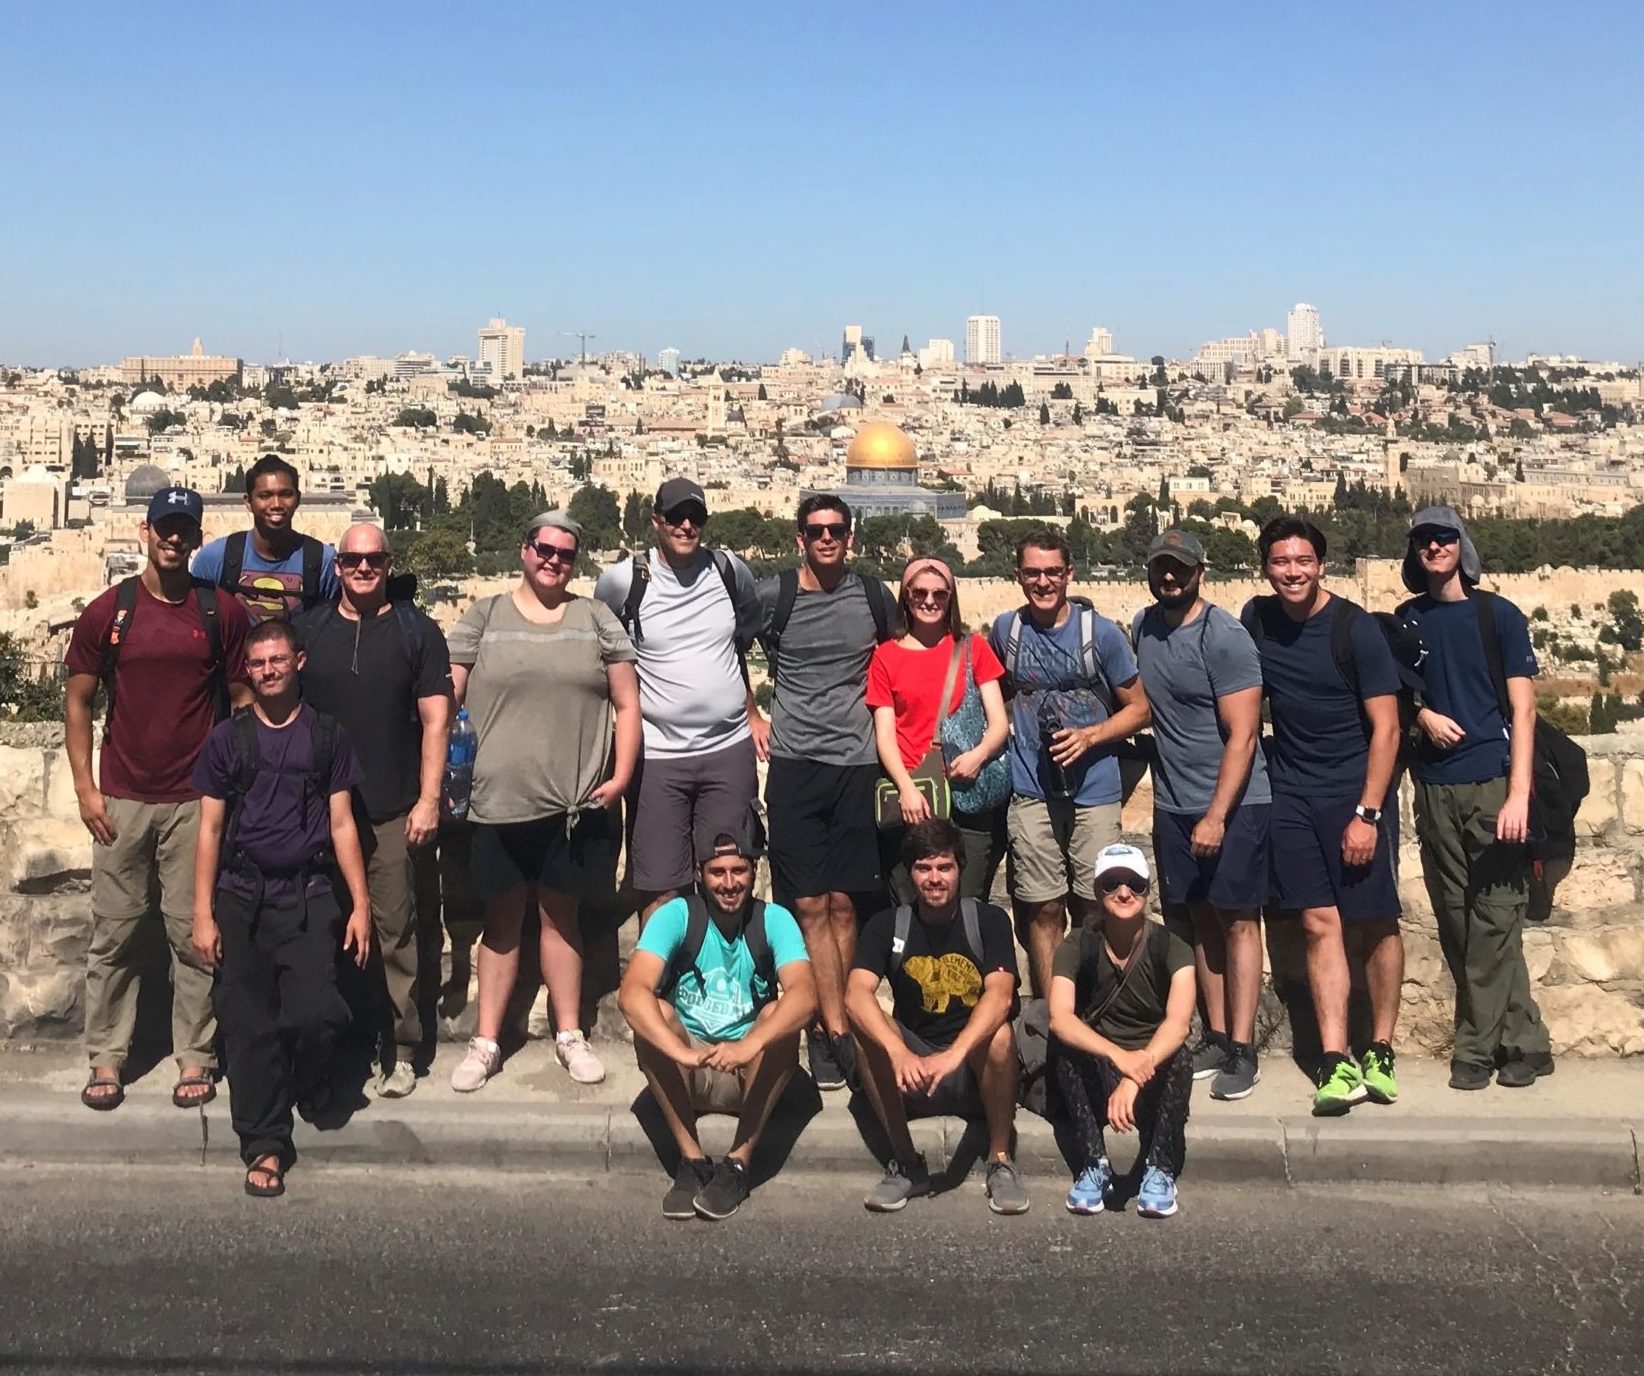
(1598,808)
(1600,878)
(22,783)
(48,854)
(1539,949)
(1632,796)
(1586,1020)
(1604,955)
(60,800)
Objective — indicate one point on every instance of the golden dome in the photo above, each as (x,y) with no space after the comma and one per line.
(879,444)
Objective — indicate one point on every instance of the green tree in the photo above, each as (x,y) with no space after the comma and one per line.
(399,499)
(417,417)
(1044,413)
(438,554)
(595,509)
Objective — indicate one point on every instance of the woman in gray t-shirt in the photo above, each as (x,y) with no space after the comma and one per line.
(549,682)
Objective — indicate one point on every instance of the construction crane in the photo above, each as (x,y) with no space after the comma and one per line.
(582,337)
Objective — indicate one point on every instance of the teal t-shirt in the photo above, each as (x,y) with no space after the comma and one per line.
(720,1007)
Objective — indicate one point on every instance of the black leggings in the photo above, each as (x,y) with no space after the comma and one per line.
(1086,1083)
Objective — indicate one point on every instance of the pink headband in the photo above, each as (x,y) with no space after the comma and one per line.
(915,567)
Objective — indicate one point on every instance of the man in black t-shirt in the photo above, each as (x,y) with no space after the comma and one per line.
(1121,1000)
(949,1048)
(381,668)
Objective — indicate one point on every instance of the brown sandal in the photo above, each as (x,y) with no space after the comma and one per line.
(276,1171)
(194,1081)
(103,1103)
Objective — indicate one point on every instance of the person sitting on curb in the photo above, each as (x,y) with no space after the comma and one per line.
(716,992)
(1121,1004)
(276,827)
(949,1048)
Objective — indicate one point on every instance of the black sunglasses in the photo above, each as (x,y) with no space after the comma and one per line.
(377,559)
(830,531)
(1122,879)
(681,514)
(552,553)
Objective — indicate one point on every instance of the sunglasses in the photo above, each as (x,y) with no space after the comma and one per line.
(936,597)
(827,532)
(376,560)
(551,554)
(1446,538)
(681,514)
(1112,883)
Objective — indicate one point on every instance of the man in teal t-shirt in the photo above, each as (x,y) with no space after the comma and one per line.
(716,1029)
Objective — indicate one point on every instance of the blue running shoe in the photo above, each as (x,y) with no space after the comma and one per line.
(1089,1192)
(1157,1197)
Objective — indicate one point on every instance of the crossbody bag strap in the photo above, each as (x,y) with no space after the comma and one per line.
(947,688)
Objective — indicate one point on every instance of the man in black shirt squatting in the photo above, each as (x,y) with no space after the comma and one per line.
(949,1049)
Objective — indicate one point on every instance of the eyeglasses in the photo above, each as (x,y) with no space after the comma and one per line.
(681,514)
(1445,538)
(827,532)
(272,662)
(552,554)
(936,597)
(375,560)
(1112,883)
(1055,575)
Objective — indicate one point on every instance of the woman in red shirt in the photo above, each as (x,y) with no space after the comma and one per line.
(904,684)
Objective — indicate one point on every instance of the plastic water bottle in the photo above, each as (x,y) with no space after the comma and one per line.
(1058,784)
(459,766)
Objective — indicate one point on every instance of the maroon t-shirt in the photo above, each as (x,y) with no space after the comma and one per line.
(163,704)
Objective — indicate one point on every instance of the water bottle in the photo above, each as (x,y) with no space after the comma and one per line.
(459,767)
(1057,782)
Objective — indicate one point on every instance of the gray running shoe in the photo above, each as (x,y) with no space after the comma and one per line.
(1239,1076)
(902,1182)
(691,1176)
(1210,1055)
(1006,1192)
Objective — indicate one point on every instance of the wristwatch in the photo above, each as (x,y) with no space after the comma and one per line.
(1371,815)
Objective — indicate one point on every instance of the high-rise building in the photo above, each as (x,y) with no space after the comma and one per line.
(1100,344)
(856,346)
(1305,335)
(937,354)
(502,346)
(982,339)
(668,361)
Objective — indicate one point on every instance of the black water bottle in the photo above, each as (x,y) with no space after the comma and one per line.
(1058,784)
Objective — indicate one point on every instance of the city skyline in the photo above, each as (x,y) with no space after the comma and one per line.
(736,186)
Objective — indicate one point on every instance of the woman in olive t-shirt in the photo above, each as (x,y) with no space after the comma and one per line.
(549,682)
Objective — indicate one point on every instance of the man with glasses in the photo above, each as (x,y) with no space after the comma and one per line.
(169,655)
(1473,773)
(381,668)
(1211,798)
(273,570)
(691,613)
(1075,694)
(820,623)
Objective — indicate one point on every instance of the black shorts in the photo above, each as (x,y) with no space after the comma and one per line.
(580,862)
(958,1096)
(1237,878)
(1307,865)
(822,834)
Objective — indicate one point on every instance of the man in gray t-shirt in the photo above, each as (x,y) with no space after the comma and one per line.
(1211,799)
(820,625)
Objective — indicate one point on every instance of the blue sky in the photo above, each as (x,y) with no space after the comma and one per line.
(367,178)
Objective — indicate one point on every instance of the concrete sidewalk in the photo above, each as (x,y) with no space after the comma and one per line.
(1578,1128)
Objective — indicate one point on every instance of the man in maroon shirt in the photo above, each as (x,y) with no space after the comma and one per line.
(170,654)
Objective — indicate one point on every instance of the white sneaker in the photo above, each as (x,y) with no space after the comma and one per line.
(578,1058)
(483,1060)
(398,1082)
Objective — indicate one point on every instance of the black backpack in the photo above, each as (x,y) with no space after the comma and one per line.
(125,608)
(248,764)
(752,930)
(787,593)
(407,620)
(640,581)
(234,566)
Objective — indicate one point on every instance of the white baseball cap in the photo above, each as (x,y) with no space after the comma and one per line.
(1122,857)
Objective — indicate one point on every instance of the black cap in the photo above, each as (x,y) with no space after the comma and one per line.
(676,492)
(175,501)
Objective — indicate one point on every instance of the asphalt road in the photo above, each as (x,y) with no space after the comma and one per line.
(380,1272)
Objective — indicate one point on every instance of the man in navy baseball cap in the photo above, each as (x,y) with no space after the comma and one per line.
(175,501)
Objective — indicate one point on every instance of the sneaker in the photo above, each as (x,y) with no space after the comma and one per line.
(1340,1086)
(1516,1073)
(688,1179)
(1379,1085)
(1466,1075)
(578,1058)
(1211,1054)
(1089,1192)
(723,1195)
(1238,1076)
(1005,1190)
(1541,1062)
(398,1082)
(824,1061)
(902,1182)
(483,1060)
(844,1055)
(1157,1197)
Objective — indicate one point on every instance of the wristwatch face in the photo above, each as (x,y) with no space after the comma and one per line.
(1368,814)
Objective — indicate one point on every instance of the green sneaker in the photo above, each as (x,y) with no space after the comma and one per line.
(1379,1083)
(1341,1085)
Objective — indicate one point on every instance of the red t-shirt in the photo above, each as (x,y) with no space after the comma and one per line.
(911,682)
(163,708)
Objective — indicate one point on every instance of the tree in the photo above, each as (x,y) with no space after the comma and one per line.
(438,554)
(399,499)
(762,396)
(1626,620)
(1044,413)
(466,424)
(1078,414)
(417,417)
(595,509)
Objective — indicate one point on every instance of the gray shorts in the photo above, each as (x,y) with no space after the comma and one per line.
(675,802)
(958,1096)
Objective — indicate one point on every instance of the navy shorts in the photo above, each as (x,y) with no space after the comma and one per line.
(1238,878)
(1307,866)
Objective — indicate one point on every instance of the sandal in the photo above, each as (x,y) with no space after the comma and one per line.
(103,1103)
(275,1173)
(194,1081)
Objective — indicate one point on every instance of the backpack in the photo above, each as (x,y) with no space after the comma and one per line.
(407,620)
(970,922)
(234,566)
(787,593)
(640,581)
(125,607)
(248,764)
(685,955)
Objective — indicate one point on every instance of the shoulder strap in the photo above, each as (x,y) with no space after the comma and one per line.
(685,954)
(247,758)
(1341,642)
(205,596)
(900,927)
(1013,642)
(945,702)
(879,604)
(125,607)
(1089,663)
(970,915)
(1484,603)
(787,593)
(639,578)
(325,749)
(233,561)
(727,576)
(759,945)
(409,623)
(313,560)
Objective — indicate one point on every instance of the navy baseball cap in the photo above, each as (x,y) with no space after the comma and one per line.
(175,501)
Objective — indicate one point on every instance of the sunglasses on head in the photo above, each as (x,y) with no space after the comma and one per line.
(1122,879)
(376,559)
(552,553)
(831,530)
(681,514)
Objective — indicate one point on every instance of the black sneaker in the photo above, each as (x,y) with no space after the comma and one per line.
(1239,1074)
(1541,1062)
(688,1179)
(1465,1075)
(1516,1073)
(844,1053)
(825,1067)
(723,1195)
(1210,1055)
